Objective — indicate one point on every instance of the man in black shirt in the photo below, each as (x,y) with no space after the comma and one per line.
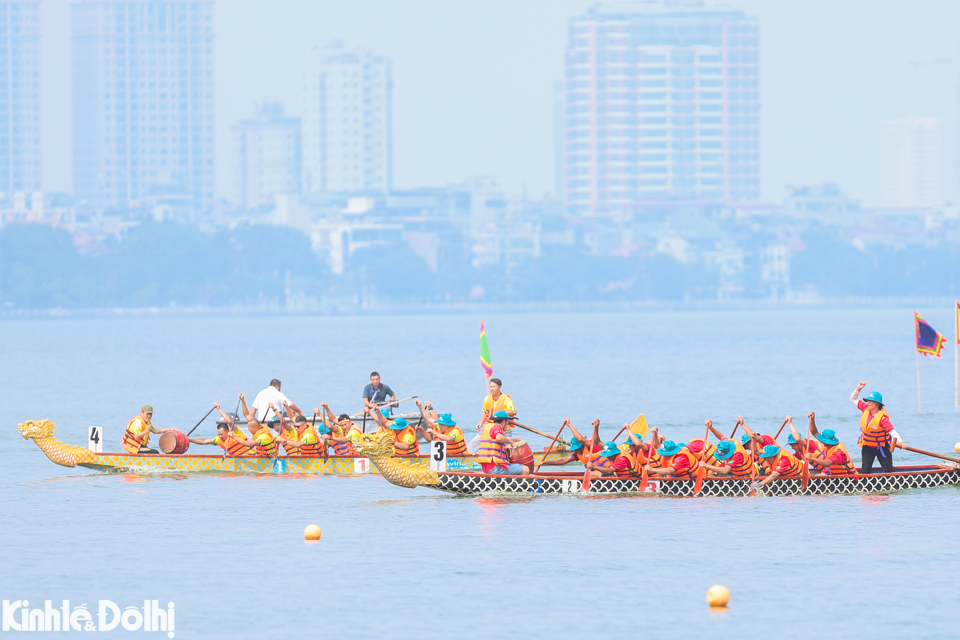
(376,393)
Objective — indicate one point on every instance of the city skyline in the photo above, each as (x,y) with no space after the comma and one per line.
(491,144)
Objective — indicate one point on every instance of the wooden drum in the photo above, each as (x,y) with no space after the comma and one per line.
(520,453)
(174,441)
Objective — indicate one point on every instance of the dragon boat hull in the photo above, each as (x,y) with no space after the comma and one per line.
(902,479)
(146,463)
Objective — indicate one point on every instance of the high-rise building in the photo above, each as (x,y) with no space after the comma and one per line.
(267,155)
(911,163)
(662,101)
(347,121)
(142,100)
(20,169)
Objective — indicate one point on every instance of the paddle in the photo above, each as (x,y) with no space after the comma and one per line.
(929,453)
(201,420)
(383,404)
(805,474)
(781,430)
(548,449)
(734,432)
(531,429)
(638,426)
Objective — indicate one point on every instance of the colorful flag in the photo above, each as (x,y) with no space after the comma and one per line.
(957,326)
(485,353)
(929,341)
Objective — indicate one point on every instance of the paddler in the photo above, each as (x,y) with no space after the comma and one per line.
(876,439)
(750,437)
(581,449)
(288,435)
(779,463)
(225,440)
(136,436)
(675,461)
(264,440)
(342,432)
(802,447)
(440,426)
(497,401)
(235,433)
(833,458)
(612,461)
(304,439)
(491,455)
(728,459)
(405,443)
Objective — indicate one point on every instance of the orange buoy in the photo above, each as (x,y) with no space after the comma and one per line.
(312,532)
(956,447)
(718,596)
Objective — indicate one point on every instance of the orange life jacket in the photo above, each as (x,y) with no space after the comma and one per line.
(269,449)
(633,470)
(685,474)
(741,470)
(455,448)
(340,448)
(312,449)
(290,433)
(398,438)
(131,444)
(490,451)
(796,467)
(604,462)
(232,447)
(846,469)
(871,433)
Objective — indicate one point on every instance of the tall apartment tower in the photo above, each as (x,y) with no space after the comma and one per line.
(911,163)
(347,121)
(267,153)
(142,100)
(20,168)
(662,101)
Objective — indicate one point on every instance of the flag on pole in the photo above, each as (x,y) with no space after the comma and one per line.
(957,325)
(485,353)
(929,341)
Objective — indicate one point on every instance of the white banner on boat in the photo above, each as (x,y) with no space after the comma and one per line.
(95,439)
(438,455)
(361,465)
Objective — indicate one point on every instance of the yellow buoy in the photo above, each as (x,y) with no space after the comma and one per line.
(718,596)
(312,532)
(956,447)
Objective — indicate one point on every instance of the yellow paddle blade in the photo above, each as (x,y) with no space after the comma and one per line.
(639,426)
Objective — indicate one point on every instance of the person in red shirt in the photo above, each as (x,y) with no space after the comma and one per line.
(676,461)
(833,459)
(876,431)
(762,440)
(579,452)
(779,463)
(802,447)
(612,461)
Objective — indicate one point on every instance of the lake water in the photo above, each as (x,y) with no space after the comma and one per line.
(228,550)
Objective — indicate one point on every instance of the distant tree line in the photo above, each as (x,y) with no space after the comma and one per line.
(167,263)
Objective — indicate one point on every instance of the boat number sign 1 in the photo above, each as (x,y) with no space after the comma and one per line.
(438,455)
(95,439)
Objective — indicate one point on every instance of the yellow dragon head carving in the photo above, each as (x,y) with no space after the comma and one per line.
(36,430)
(41,432)
(408,473)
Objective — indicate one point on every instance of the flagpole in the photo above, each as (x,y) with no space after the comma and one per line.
(919,401)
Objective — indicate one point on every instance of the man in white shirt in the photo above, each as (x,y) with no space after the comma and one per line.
(261,404)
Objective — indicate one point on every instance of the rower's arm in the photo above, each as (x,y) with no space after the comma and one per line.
(796,434)
(724,470)
(856,394)
(247,443)
(596,433)
(661,470)
(431,423)
(813,424)
(716,431)
(201,440)
(243,405)
(559,461)
(770,478)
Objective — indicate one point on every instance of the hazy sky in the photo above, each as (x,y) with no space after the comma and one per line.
(473,82)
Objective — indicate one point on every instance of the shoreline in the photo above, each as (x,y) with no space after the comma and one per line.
(469,308)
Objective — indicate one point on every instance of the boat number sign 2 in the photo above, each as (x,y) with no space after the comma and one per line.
(438,455)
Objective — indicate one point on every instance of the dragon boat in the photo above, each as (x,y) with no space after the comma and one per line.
(65,455)
(379,449)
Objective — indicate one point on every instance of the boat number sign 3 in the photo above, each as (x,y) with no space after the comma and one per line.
(438,455)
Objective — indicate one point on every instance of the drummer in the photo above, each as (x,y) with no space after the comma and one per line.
(136,436)
(491,455)
(440,426)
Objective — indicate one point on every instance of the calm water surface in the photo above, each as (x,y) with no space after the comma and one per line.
(393,562)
